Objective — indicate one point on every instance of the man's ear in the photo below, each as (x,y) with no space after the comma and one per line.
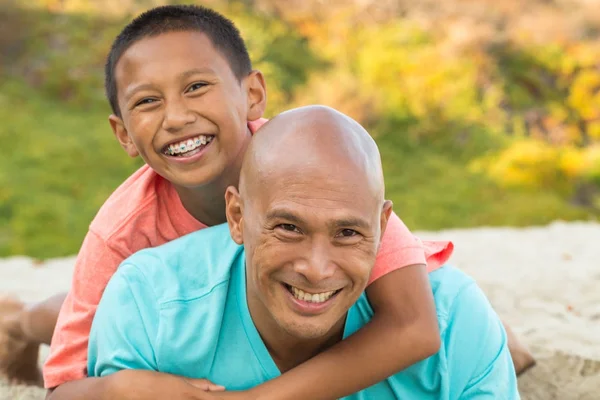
(233,211)
(118,127)
(257,95)
(386,211)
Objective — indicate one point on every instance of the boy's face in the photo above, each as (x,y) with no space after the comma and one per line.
(182,108)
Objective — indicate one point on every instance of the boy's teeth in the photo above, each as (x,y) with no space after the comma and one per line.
(187,145)
(311,298)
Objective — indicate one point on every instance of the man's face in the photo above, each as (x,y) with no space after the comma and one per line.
(183,110)
(311,240)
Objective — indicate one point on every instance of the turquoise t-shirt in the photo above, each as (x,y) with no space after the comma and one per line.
(181,308)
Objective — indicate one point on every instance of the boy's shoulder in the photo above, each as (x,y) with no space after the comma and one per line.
(189,267)
(144,211)
(133,196)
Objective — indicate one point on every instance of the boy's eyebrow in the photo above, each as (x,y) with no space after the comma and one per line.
(131,91)
(195,71)
(184,75)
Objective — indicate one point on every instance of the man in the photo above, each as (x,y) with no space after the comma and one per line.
(310,214)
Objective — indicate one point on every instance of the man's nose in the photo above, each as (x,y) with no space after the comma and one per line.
(318,265)
(177,115)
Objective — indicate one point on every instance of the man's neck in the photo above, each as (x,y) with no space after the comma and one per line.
(207,203)
(286,350)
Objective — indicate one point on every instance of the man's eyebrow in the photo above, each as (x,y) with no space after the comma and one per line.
(349,222)
(283,214)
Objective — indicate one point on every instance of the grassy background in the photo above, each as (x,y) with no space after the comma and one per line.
(454,122)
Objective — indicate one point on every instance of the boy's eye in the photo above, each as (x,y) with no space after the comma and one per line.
(145,101)
(195,86)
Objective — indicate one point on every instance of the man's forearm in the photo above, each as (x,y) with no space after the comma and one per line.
(127,385)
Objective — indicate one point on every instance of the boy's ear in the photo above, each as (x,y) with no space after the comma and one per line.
(257,95)
(233,211)
(122,136)
(386,211)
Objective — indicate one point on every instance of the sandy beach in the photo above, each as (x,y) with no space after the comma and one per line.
(544,281)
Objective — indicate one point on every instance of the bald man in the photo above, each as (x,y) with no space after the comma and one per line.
(242,302)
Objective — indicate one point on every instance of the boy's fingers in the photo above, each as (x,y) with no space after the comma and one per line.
(206,385)
(212,387)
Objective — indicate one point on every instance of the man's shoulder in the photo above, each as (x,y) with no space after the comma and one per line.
(450,288)
(447,282)
(186,268)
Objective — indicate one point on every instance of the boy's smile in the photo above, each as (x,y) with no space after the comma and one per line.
(183,110)
(186,148)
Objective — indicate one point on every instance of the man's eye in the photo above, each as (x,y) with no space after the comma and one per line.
(195,86)
(289,227)
(347,233)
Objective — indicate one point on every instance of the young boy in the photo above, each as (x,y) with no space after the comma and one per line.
(186,100)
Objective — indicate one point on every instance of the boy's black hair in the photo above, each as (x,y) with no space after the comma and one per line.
(223,34)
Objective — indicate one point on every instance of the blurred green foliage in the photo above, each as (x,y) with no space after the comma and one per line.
(476,129)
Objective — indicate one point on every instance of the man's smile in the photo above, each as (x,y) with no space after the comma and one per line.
(311,297)
(306,303)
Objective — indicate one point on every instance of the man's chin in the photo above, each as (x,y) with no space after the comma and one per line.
(308,332)
(314,327)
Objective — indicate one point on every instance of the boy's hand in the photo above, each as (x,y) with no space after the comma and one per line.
(237,395)
(139,385)
(217,391)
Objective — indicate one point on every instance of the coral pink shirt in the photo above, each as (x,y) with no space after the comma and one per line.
(145,211)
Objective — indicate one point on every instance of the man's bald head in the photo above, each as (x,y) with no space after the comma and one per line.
(310,213)
(311,137)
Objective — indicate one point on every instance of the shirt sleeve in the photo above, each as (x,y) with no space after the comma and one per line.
(400,248)
(123,334)
(94,266)
(479,362)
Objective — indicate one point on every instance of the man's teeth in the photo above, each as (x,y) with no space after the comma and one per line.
(312,297)
(188,145)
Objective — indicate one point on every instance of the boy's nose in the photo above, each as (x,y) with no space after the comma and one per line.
(177,116)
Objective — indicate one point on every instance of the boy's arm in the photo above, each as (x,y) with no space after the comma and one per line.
(403,331)
(135,385)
